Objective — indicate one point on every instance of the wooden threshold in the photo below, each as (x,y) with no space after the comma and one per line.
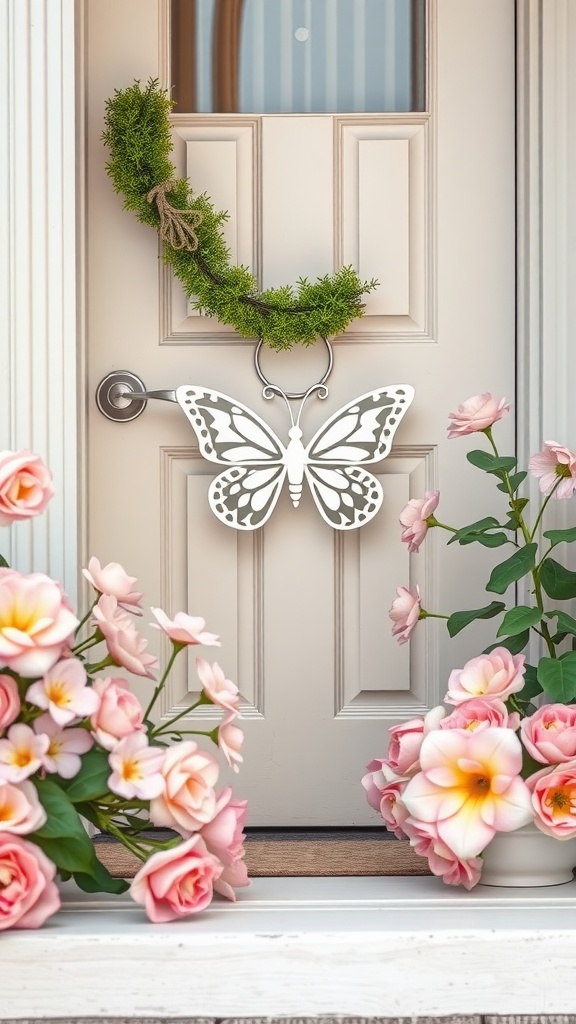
(300,852)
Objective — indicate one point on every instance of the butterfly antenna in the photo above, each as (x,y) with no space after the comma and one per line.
(322,391)
(271,391)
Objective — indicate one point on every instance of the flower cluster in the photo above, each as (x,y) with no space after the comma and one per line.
(497,761)
(75,742)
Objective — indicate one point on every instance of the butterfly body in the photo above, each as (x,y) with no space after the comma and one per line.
(245,494)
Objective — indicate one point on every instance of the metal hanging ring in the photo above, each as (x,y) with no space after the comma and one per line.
(271,389)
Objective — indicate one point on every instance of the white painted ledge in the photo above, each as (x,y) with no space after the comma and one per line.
(368,947)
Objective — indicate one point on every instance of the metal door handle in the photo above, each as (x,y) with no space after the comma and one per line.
(121,396)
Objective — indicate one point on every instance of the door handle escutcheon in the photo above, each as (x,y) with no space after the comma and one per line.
(121,396)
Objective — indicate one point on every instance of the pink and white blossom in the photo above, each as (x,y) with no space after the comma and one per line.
(21,752)
(188,800)
(491,676)
(113,580)
(405,612)
(555,464)
(25,486)
(28,895)
(184,629)
(219,690)
(477,413)
(64,692)
(10,703)
(478,713)
(414,518)
(230,740)
(392,807)
(35,623)
(176,882)
(224,838)
(406,740)
(125,645)
(65,747)
(469,787)
(554,799)
(119,713)
(549,735)
(136,768)
(20,809)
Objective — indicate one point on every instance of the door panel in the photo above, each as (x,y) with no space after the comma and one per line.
(425,203)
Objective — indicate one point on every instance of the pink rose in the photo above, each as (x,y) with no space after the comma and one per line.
(492,676)
(414,518)
(113,580)
(392,808)
(20,810)
(25,486)
(405,612)
(125,645)
(176,882)
(406,740)
(374,782)
(554,800)
(481,714)
(442,861)
(120,712)
(35,623)
(224,837)
(189,800)
(477,413)
(555,464)
(10,703)
(549,735)
(28,894)
(230,740)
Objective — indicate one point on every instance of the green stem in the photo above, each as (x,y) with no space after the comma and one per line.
(431,615)
(432,521)
(505,474)
(99,665)
(86,644)
(134,847)
(165,726)
(86,617)
(176,648)
(544,503)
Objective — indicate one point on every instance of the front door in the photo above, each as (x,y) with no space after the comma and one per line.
(424,202)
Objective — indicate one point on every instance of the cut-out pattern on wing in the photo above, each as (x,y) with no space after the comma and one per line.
(245,494)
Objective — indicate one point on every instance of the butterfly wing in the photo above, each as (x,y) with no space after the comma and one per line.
(347,495)
(243,496)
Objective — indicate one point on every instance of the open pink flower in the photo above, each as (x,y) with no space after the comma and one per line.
(230,740)
(113,580)
(491,676)
(555,463)
(218,689)
(125,645)
(554,799)
(176,882)
(442,861)
(184,629)
(35,623)
(549,735)
(9,702)
(189,800)
(20,809)
(476,413)
(25,486)
(65,747)
(63,692)
(481,714)
(136,768)
(469,787)
(119,713)
(224,838)
(414,518)
(21,752)
(405,612)
(28,895)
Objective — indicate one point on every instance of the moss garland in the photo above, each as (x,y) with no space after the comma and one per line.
(138,134)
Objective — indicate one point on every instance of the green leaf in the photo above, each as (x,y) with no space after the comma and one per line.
(3,563)
(92,779)
(561,536)
(492,540)
(566,624)
(63,821)
(490,463)
(557,676)
(514,644)
(515,480)
(100,880)
(532,687)
(68,854)
(558,582)
(514,568)
(459,620)
(518,619)
(488,523)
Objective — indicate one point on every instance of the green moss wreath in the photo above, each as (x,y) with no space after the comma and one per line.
(138,134)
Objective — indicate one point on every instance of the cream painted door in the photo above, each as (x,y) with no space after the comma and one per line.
(425,203)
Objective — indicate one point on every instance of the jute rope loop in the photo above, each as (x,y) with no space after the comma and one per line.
(176,226)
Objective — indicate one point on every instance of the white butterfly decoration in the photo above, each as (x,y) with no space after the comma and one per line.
(245,495)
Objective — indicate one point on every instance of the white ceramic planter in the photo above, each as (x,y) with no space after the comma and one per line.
(528,857)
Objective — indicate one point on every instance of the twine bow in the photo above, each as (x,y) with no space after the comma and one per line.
(176,226)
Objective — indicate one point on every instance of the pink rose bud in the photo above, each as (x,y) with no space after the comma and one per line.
(25,486)
(405,612)
(478,713)
(119,714)
(414,518)
(476,413)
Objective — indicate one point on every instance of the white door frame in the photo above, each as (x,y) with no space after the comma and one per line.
(42,396)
